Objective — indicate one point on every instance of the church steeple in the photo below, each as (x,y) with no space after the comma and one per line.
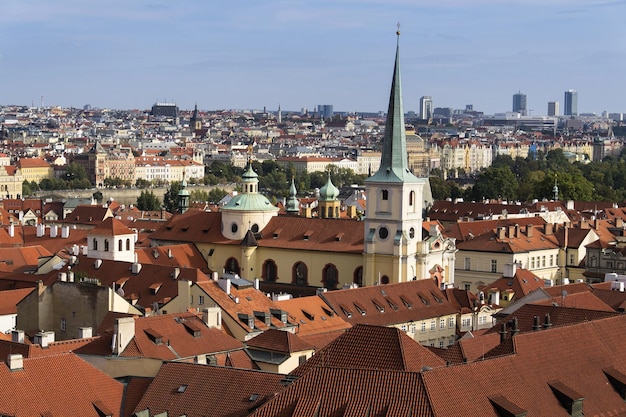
(394,166)
(293,205)
(183,196)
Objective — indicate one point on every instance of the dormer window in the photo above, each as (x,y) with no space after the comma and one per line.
(384,195)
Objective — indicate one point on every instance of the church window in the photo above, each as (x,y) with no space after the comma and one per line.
(120,245)
(383,233)
(412,232)
(300,274)
(234,227)
(95,244)
(384,279)
(385,194)
(358,276)
(255,228)
(330,277)
(270,271)
(127,244)
(232,266)
(106,245)
(411,198)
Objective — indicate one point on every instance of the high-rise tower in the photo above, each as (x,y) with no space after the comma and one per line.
(426,108)
(570,103)
(553,108)
(519,103)
(393,224)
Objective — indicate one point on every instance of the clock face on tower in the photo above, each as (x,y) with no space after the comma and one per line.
(383,233)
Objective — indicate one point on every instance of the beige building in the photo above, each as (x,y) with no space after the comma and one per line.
(35,169)
(11,180)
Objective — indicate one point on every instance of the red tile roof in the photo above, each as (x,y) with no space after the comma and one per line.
(59,385)
(111,227)
(313,315)
(10,298)
(279,341)
(199,390)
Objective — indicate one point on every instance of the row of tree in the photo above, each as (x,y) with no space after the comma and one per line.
(525,179)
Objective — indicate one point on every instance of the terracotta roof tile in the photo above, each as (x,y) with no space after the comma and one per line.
(111,227)
(279,341)
(313,315)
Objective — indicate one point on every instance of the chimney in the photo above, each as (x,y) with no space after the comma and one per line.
(511,233)
(596,224)
(40,230)
(224,285)
(53,231)
(546,322)
(97,264)
(501,233)
(15,362)
(548,228)
(510,270)
(85,250)
(619,222)
(65,232)
(84,332)
(515,327)
(62,276)
(176,273)
(529,230)
(169,253)
(215,276)
(212,317)
(43,339)
(536,324)
(135,268)
(503,333)
(17,336)
(11,230)
(257,283)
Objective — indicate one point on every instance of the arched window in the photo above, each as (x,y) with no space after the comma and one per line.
(106,245)
(411,198)
(232,266)
(95,244)
(120,246)
(384,194)
(358,276)
(330,277)
(384,279)
(270,271)
(127,244)
(300,274)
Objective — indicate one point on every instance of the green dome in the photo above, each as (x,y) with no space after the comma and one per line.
(329,192)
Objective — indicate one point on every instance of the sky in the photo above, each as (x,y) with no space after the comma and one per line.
(244,54)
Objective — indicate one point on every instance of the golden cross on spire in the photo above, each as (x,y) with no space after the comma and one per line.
(398,31)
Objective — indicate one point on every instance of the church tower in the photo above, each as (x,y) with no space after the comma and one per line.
(328,203)
(393,222)
(292,206)
(195,122)
(183,196)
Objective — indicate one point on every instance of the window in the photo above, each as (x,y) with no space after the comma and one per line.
(494,265)
(551,260)
(441,344)
(234,227)
(571,260)
(451,341)
(200,299)
(543,261)
(232,266)
(467,286)
(358,276)
(106,245)
(594,261)
(411,233)
(451,322)
(468,264)
(433,325)
(423,327)
(119,245)
(330,277)
(300,274)
(442,324)
(384,194)
(95,244)
(383,233)
(127,244)
(532,263)
(411,198)
(63,324)
(191,299)
(413,328)
(255,228)
(270,271)
(466,322)
(482,320)
(404,328)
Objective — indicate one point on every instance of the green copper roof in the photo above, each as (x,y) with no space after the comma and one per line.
(329,192)
(394,166)
(292,202)
(249,202)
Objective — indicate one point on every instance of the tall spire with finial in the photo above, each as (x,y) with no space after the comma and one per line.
(394,161)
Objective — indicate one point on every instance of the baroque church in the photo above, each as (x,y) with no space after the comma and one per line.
(393,243)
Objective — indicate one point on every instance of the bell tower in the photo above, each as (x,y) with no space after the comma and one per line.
(393,222)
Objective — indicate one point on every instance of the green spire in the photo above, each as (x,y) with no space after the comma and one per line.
(293,204)
(394,166)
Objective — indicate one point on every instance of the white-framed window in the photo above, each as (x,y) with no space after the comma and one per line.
(433,325)
(200,299)
(413,328)
(451,322)
(468,264)
(404,328)
(466,322)
(451,341)
(551,260)
(423,327)
(543,261)
(442,324)
(482,319)
(532,263)
(494,265)
(441,344)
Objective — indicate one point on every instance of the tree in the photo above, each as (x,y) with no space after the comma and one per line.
(148,201)
(499,182)
(75,171)
(170,198)
(216,194)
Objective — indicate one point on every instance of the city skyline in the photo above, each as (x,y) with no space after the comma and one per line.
(300,55)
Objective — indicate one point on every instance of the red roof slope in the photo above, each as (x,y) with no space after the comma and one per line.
(59,385)
(200,390)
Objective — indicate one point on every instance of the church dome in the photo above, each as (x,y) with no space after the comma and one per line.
(329,192)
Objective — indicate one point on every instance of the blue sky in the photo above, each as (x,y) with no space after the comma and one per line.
(128,54)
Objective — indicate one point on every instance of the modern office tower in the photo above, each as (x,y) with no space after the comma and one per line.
(325,111)
(570,107)
(553,108)
(519,103)
(426,108)
(169,110)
